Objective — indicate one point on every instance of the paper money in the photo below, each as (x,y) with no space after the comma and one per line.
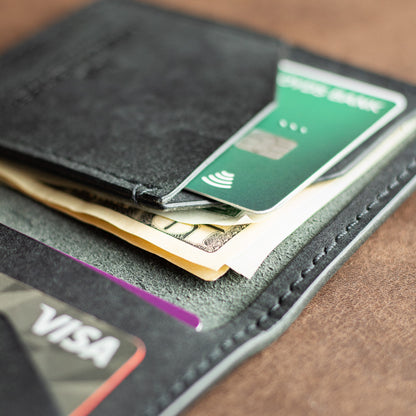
(206,251)
(218,215)
(197,249)
(222,215)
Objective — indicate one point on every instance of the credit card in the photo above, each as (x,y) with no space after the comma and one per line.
(317,119)
(80,358)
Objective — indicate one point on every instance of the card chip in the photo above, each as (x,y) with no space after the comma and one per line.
(266,144)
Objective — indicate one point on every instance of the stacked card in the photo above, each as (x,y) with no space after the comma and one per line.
(196,157)
(263,175)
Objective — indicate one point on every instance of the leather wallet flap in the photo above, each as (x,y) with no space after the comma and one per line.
(137,107)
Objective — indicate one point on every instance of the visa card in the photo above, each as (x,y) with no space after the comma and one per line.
(80,358)
(318,118)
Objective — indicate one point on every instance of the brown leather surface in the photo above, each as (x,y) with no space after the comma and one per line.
(353,349)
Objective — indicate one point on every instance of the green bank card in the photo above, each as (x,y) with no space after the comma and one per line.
(317,119)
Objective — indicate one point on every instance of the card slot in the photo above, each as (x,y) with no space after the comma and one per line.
(66,111)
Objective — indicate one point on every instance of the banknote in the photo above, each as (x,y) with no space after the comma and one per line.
(218,215)
(197,249)
(205,250)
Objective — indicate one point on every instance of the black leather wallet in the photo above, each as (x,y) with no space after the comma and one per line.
(143,141)
(162,92)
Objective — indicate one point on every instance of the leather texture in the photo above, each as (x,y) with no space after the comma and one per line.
(132,110)
(350,352)
(178,375)
(137,107)
(21,387)
(181,363)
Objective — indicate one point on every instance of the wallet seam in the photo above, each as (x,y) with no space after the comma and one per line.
(265,319)
(137,186)
(29,90)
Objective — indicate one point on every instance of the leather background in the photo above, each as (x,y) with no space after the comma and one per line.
(352,350)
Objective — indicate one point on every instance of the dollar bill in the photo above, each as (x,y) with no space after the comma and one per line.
(206,237)
(218,215)
(222,215)
(195,248)
(205,250)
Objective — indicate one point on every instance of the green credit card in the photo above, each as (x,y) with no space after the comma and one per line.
(317,119)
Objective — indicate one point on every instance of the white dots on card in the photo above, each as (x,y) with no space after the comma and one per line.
(292,126)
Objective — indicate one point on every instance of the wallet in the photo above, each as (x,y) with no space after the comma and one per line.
(203,81)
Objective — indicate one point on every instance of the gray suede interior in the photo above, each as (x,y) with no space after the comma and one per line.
(214,302)
(76,99)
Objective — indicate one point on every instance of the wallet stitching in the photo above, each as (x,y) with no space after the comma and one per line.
(31,89)
(219,350)
(262,323)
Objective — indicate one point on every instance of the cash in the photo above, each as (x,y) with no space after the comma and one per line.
(206,243)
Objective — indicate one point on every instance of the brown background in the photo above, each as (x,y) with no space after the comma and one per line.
(353,349)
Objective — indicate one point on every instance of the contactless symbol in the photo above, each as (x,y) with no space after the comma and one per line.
(221,179)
